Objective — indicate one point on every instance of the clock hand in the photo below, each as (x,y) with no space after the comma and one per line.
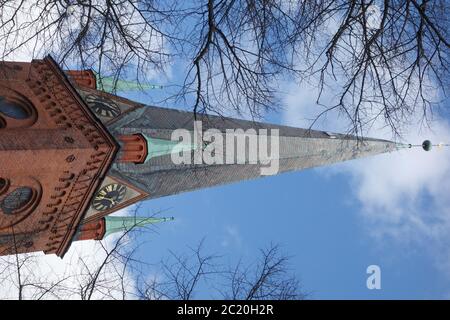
(110,199)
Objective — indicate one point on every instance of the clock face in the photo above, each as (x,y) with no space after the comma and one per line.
(109,196)
(103,107)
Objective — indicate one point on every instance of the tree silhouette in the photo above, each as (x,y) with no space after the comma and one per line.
(112,269)
(383,60)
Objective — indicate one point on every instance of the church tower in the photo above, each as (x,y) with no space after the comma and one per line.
(71,154)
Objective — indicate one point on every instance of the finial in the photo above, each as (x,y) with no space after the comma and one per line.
(426,145)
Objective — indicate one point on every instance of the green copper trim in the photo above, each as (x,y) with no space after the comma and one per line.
(107,84)
(115,224)
(160,147)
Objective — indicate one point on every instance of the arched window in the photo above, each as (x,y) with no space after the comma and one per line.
(13,109)
(16,111)
(16,200)
(4,184)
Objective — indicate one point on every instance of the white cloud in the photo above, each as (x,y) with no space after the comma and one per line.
(232,237)
(402,195)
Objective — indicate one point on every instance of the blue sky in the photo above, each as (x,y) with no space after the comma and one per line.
(331,221)
(390,210)
(312,218)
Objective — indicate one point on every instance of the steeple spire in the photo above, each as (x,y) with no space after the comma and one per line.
(158,176)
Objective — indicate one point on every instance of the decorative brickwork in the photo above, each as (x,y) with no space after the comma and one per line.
(82,78)
(134,148)
(58,155)
(94,230)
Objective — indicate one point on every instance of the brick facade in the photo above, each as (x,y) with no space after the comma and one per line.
(53,155)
